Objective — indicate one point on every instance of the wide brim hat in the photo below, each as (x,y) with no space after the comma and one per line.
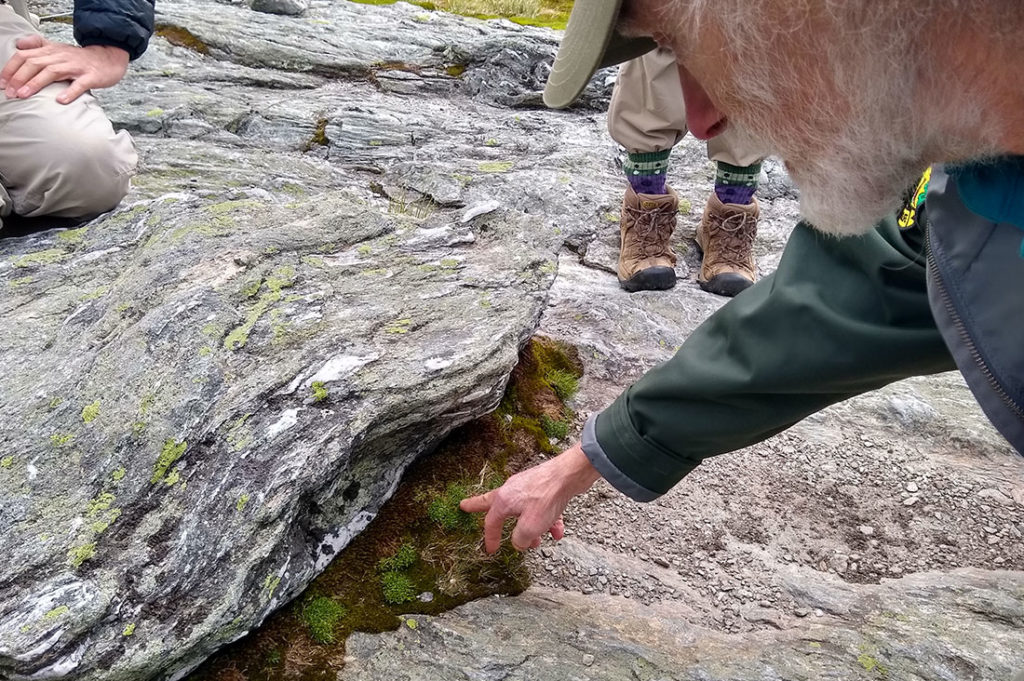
(591,42)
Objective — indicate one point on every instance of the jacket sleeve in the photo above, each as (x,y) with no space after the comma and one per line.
(839,317)
(127,24)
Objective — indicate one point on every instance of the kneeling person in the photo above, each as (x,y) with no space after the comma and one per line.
(59,153)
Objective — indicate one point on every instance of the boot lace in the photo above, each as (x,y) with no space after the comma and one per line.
(733,236)
(652,228)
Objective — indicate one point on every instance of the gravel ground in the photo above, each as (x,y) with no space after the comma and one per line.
(907,479)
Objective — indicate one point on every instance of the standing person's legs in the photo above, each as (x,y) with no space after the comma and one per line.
(647,117)
(729,226)
(63,160)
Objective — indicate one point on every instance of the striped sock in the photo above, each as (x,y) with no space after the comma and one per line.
(646,172)
(734,184)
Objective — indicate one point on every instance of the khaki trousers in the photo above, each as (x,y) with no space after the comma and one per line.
(63,160)
(647,112)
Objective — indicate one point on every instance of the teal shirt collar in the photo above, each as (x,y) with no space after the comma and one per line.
(993,189)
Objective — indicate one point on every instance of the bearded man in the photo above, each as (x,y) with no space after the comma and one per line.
(858,97)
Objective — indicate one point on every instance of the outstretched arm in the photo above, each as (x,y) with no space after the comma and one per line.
(838,318)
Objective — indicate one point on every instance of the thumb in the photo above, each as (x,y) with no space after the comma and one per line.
(477,504)
(31,42)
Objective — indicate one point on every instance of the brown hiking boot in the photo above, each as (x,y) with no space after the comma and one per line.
(646,259)
(726,238)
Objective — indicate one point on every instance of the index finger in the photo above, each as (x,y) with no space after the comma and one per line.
(477,504)
(13,64)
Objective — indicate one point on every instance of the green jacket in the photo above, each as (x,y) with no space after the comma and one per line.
(937,287)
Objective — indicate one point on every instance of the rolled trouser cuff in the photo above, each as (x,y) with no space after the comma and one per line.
(608,470)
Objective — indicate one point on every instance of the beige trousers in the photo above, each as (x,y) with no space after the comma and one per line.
(63,160)
(647,112)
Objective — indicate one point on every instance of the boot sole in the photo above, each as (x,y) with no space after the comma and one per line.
(728,285)
(650,279)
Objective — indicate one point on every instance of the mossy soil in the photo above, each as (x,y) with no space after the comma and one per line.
(420,542)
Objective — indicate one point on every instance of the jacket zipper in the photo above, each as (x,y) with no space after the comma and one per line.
(968,342)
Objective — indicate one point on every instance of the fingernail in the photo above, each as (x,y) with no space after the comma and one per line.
(10,93)
(23,92)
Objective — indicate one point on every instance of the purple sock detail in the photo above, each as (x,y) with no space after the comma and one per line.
(731,193)
(647,184)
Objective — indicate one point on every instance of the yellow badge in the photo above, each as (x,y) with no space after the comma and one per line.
(908,217)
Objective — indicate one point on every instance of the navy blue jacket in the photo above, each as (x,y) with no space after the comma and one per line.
(127,24)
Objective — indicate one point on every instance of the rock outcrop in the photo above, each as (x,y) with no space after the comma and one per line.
(322,269)
(928,627)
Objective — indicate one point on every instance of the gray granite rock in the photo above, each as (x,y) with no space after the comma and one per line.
(292,8)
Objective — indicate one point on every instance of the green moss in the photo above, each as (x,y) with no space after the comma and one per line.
(81,553)
(171,452)
(46,257)
(61,439)
(129,629)
(90,412)
(495,166)
(243,499)
(57,612)
(319,138)
(403,559)
(321,616)
(397,588)
(563,382)
(7,462)
(319,391)
(554,428)
(444,510)
(181,37)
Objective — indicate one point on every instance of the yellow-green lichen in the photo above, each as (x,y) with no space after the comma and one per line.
(153,113)
(94,294)
(57,612)
(171,452)
(129,630)
(55,402)
(449,264)
(243,499)
(319,391)
(73,236)
(90,412)
(281,278)
(81,553)
(399,326)
(495,166)
(19,282)
(7,462)
(239,434)
(46,257)
(270,585)
(61,439)
(99,504)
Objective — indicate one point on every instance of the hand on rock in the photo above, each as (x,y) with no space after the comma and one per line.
(38,62)
(536,497)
